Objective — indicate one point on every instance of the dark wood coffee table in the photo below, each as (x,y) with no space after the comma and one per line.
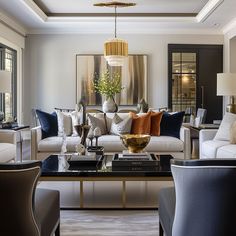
(55,168)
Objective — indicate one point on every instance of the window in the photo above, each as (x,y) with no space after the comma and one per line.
(183,74)
(8,101)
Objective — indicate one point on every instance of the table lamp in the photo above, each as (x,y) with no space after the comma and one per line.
(226,86)
(5,85)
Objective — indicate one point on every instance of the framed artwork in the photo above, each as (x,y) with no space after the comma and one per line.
(133,79)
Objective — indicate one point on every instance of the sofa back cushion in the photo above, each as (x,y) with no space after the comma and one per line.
(48,122)
(223,132)
(141,124)
(171,123)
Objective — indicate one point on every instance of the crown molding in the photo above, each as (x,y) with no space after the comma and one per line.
(11,24)
(34,8)
(128,31)
(208,9)
(231,25)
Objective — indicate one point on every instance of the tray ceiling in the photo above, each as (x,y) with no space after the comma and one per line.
(147,17)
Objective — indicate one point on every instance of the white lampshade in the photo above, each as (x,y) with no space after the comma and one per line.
(5,81)
(226,84)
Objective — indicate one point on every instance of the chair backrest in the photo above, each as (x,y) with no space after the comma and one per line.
(202,114)
(205,197)
(17,184)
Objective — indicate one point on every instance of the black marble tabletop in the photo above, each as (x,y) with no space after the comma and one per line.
(60,165)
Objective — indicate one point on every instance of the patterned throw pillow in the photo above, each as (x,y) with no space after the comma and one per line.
(141,124)
(99,120)
(120,126)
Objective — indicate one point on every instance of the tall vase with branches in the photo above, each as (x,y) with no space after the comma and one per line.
(108,84)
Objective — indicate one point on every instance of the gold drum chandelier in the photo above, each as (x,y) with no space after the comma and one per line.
(115,50)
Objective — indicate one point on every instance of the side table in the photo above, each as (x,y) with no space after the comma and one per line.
(194,131)
(19,138)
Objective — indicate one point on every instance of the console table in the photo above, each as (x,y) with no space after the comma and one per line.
(54,169)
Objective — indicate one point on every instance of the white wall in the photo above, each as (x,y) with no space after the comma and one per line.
(50,65)
(229,56)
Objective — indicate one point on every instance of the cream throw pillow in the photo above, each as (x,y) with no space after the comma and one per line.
(120,126)
(75,118)
(64,123)
(233,133)
(223,132)
(98,120)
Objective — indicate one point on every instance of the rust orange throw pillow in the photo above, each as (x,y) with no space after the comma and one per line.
(155,123)
(141,124)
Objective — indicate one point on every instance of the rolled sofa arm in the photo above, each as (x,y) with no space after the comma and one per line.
(185,137)
(36,136)
(204,135)
(8,136)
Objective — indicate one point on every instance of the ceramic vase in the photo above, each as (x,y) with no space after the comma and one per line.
(109,105)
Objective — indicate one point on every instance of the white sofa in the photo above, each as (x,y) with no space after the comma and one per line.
(211,148)
(7,145)
(42,148)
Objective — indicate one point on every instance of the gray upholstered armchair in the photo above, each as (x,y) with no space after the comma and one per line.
(203,201)
(25,210)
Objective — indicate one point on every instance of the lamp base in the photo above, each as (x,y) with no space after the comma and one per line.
(231,108)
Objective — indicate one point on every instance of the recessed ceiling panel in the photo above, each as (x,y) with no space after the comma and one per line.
(143,6)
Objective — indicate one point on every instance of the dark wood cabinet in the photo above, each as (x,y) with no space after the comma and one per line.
(192,71)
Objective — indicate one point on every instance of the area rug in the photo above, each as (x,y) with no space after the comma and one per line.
(109,223)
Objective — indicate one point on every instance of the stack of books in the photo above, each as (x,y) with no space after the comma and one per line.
(135,162)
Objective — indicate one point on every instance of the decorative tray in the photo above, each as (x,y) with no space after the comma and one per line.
(87,162)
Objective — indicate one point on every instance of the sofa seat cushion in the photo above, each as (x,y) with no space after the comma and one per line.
(7,152)
(210,147)
(112,143)
(227,151)
(165,144)
(53,144)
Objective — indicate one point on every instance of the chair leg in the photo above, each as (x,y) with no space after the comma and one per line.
(57,232)
(161,231)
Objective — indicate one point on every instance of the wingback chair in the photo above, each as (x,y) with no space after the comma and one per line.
(25,210)
(203,200)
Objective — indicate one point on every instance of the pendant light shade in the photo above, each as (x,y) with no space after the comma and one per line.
(115,50)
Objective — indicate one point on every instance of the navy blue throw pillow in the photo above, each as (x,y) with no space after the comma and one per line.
(48,123)
(171,124)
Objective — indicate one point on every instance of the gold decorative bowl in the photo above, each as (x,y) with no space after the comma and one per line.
(135,142)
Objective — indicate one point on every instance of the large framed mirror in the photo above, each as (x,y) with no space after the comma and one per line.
(134,79)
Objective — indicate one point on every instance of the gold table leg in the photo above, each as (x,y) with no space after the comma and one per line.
(123,194)
(81,194)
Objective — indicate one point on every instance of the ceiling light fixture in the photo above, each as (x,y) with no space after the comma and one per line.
(115,50)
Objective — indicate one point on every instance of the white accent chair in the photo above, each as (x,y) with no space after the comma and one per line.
(7,145)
